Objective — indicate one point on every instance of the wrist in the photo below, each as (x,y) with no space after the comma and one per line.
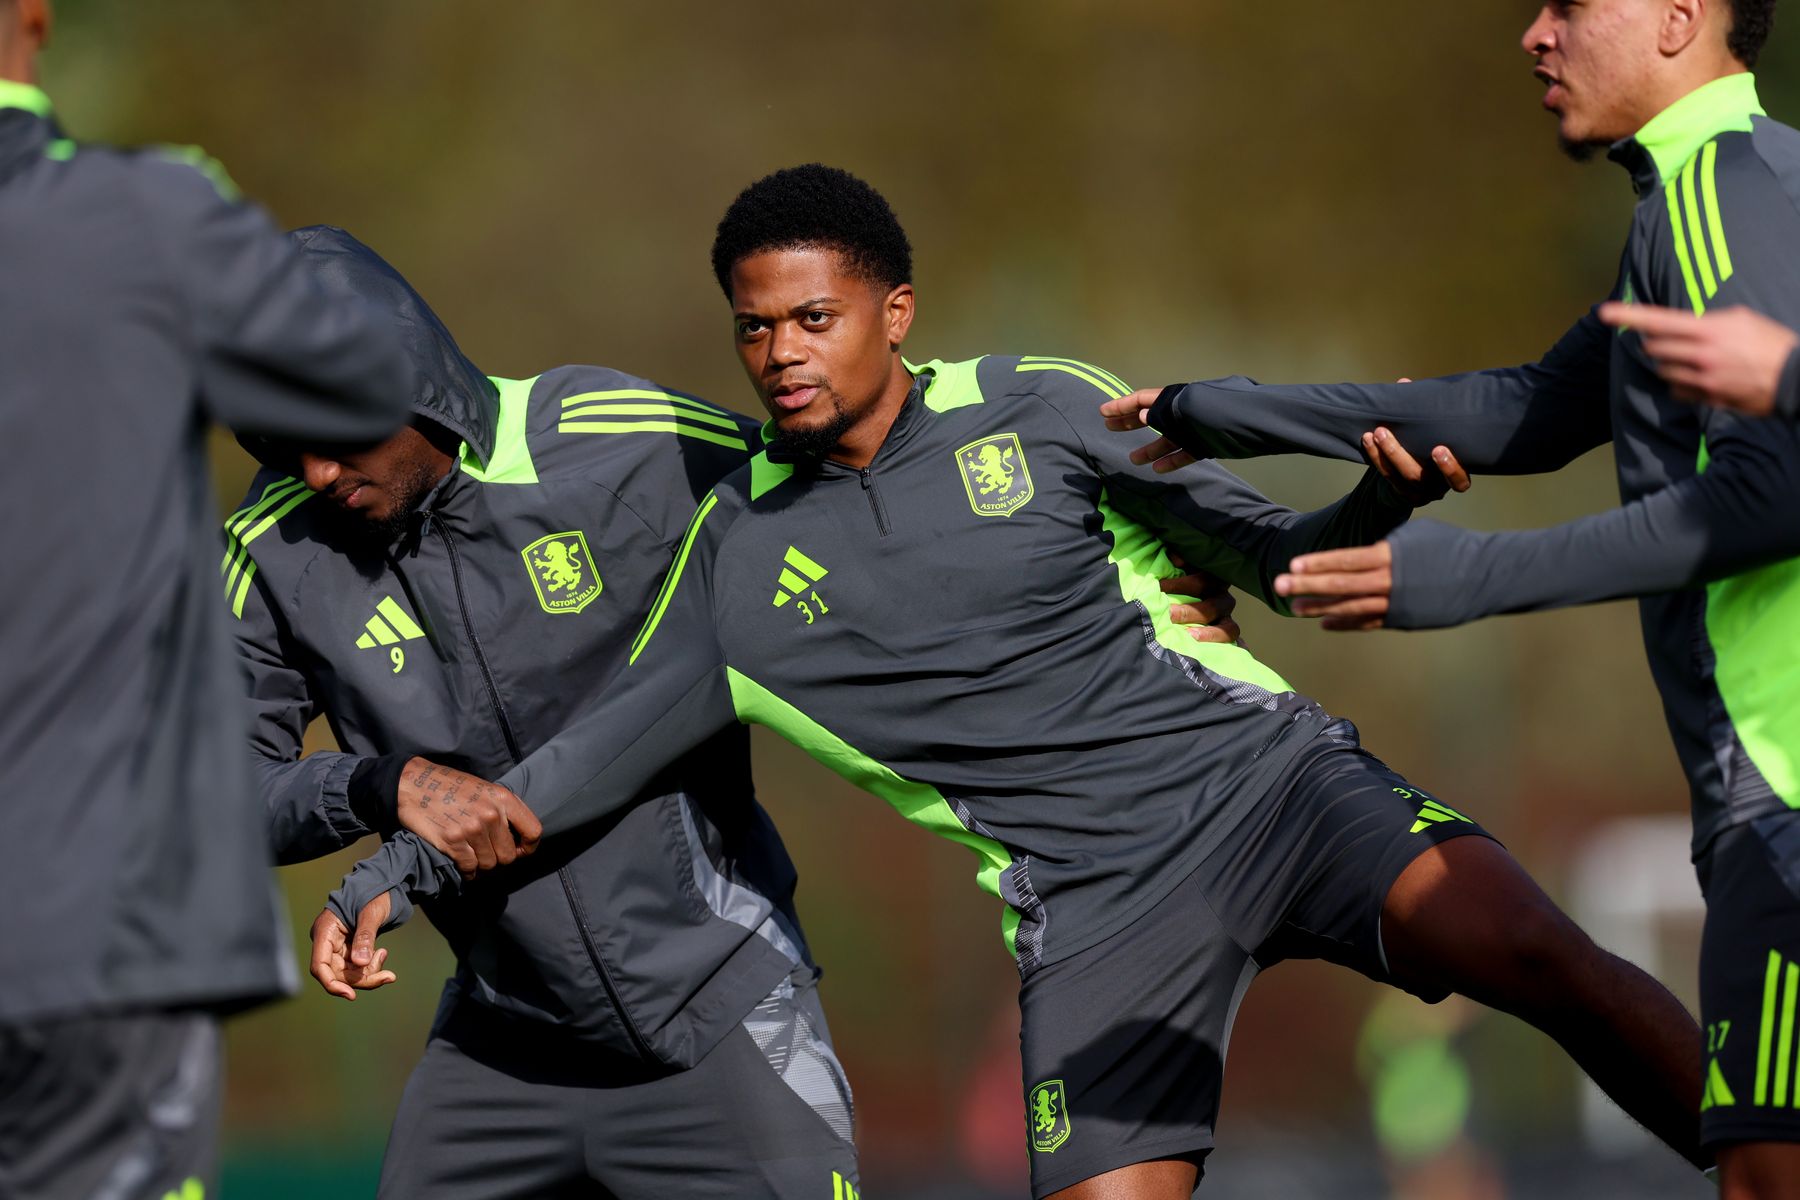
(374,789)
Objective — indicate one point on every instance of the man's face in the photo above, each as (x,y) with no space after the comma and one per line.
(1599,60)
(816,340)
(373,488)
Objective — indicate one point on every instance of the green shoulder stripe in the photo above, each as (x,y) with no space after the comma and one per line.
(1108,383)
(667,591)
(919,803)
(952,385)
(511,459)
(245,526)
(204,163)
(766,476)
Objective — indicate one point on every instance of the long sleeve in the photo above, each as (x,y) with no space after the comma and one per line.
(1736,515)
(280,355)
(308,799)
(1787,394)
(674,695)
(1511,421)
(1217,521)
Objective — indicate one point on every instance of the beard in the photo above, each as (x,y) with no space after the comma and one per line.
(1581,151)
(816,441)
(408,489)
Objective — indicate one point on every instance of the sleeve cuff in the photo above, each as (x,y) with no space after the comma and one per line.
(372,792)
(1787,392)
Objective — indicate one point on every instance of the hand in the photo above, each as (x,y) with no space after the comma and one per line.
(1411,482)
(1732,358)
(1130,413)
(1209,618)
(1350,589)
(341,972)
(480,825)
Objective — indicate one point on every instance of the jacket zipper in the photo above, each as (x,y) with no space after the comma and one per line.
(868,483)
(512,748)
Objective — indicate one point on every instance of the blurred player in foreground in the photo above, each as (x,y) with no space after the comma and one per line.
(1710,522)
(939,580)
(139,300)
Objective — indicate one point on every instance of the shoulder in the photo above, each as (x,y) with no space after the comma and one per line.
(278,511)
(1020,379)
(596,419)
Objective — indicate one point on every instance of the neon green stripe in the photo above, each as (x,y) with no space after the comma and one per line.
(396,616)
(705,435)
(1768,1028)
(766,476)
(795,558)
(237,601)
(1721,252)
(23,95)
(1690,199)
(919,803)
(1785,1041)
(618,408)
(510,463)
(1110,391)
(378,628)
(951,385)
(791,581)
(646,394)
(272,495)
(60,150)
(668,588)
(1072,362)
(243,554)
(1142,562)
(1681,252)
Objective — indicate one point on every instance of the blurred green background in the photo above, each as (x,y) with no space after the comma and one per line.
(1176,190)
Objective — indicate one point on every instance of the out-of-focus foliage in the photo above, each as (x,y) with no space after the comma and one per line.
(1176,189)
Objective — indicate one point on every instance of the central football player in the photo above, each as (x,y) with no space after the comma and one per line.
(940,581)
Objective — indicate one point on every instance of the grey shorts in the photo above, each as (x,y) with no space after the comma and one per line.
(503,1108)
(1124,1043)
(119,1107)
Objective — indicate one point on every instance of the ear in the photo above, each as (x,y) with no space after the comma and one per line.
(1682,22)
(899,310)
(34,22)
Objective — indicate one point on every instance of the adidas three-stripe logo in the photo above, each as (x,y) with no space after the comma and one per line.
(842,1189)
(791,584)
(642,410)
(1775,1040)
(1435,814)
(1700,247)
(389,625)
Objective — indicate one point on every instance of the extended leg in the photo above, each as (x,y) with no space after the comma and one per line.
(1464,916)
(1168,1179)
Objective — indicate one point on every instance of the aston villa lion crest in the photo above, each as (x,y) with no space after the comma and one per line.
(995,475)
(562,571)
(1049,1116)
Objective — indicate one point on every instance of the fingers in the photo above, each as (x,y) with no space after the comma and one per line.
(1450,469)
(367,979)
(1376,582)
(1648,318)
(368,924)
(1130,412)
(523,821)
(1351,624)
(327,966)
(1354,558)
(1224,632)
(1149,452)
(1351,606)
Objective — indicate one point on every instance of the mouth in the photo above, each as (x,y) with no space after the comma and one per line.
(351,498)
(794,395)
(1554,91)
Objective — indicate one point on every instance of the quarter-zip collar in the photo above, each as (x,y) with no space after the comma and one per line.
(1663,146)
(33,100)
(26,126)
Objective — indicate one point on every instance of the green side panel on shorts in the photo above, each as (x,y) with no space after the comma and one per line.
(511,460)
(1142,563)
(1753,622)
(952,385)
(919,803)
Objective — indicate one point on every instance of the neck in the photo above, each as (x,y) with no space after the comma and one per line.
(1684,78)
(862,441)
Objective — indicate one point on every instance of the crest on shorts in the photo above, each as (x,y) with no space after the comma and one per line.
(562,571)
(995,475)
(1048,1113)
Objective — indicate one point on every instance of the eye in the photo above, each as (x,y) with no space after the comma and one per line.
(817,317)
(749,329)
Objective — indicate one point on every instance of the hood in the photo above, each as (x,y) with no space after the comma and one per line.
(456,394)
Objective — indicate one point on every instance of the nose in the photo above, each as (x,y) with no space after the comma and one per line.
(787,344)
(1539,39)
(318,472)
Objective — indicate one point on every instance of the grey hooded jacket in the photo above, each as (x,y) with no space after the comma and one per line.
(505,607)
(138,303)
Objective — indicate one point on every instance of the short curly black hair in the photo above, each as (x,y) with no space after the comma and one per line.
(814,206)
(1751,22)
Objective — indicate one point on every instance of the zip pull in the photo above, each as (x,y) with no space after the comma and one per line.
(868,484)
(866,481)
